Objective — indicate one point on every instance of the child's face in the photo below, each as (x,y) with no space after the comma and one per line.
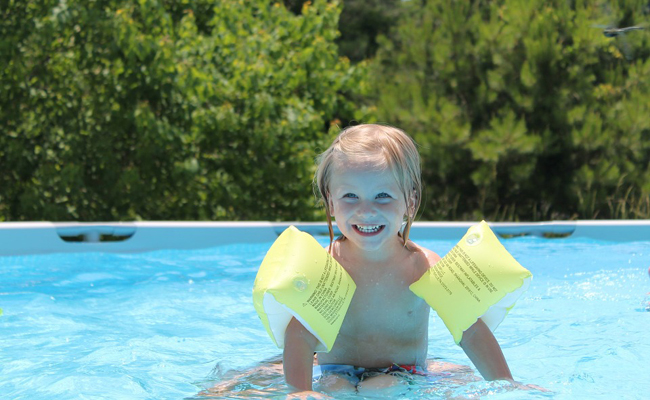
(367,204)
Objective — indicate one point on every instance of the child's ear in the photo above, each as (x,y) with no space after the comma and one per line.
(412,201)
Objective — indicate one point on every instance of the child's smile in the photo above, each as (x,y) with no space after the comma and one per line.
(368,229)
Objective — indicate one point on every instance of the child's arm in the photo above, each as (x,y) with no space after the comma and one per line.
(482,348)
(298,358)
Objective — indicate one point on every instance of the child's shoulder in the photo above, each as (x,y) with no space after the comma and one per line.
(431,256)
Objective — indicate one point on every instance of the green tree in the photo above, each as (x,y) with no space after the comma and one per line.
(361,22)
(522,108)
(117,110)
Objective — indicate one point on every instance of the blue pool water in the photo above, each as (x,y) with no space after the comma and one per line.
(171,324)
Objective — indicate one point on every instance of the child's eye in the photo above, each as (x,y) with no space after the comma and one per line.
(383,195)
(350,196)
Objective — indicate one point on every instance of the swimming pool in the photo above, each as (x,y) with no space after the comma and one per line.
(105,320)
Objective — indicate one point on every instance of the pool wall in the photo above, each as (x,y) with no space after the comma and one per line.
(17,238)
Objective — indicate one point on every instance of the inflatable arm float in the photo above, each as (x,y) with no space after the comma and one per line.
(299,278)
(478,278)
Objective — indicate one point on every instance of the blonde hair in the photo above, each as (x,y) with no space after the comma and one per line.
(383,146)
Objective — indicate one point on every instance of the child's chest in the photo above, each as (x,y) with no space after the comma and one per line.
(384,302)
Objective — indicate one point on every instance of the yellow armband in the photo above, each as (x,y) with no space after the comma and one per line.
(299,278)
(478,278)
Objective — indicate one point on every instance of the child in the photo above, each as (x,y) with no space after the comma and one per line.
(369,182)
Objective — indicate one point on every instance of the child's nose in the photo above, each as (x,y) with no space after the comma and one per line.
(366,209)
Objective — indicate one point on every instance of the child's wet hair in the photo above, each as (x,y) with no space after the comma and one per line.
(384,146)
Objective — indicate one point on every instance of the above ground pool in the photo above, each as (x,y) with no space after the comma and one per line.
(164,311)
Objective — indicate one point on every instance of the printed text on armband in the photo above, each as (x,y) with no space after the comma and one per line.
(478,273)
(324,299)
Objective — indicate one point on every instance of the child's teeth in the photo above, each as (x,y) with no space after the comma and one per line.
(369,228)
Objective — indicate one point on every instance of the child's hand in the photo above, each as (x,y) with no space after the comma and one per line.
(524,386)
(308,395)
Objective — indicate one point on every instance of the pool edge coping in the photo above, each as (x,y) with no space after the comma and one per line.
(19,238)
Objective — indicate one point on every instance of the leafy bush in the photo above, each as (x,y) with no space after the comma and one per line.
(523,110)
(206,109)
(118,110)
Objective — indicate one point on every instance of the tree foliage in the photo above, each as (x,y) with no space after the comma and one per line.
(522,108)
(360,23)
(129,109)
(206,109)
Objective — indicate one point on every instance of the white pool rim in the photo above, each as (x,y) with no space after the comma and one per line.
(19,238)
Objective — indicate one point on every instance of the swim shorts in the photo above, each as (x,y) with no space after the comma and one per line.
(358,374)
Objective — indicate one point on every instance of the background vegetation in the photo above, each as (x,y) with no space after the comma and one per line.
(206,109)
(524,109)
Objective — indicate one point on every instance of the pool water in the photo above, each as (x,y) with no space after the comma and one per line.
(173,324)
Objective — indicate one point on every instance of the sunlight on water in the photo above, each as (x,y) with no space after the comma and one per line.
(180,324)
